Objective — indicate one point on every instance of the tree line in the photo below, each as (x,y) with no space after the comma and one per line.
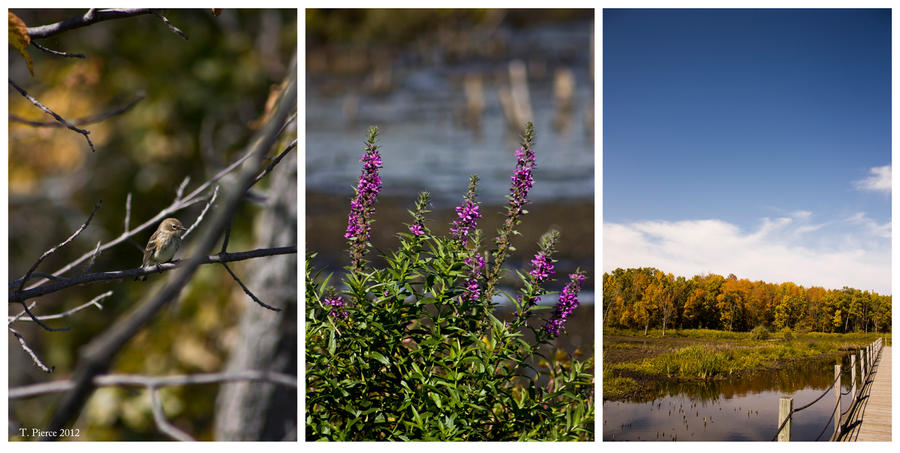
(644,298)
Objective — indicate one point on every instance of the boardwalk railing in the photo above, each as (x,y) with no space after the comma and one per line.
(786,411)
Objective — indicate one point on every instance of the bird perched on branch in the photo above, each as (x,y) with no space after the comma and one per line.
(163,244)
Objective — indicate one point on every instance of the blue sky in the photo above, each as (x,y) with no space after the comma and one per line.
(756,142)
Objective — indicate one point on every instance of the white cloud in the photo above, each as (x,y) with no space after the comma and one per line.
(857,254)
(879,180)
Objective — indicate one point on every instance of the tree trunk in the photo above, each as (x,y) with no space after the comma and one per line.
(267,339)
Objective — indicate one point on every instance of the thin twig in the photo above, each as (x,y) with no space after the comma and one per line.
(181,187)
(54,249)
(38,321)
(53,114)
(225,240)
(34,358)
(127,212)
(95,301)
(135,380)
(247,290)
(64,283)
(202,213)
(173,28)
(93,257)
(57,52)
(287,123)
(16,317)
(160,417)
(276,160)
(84,121)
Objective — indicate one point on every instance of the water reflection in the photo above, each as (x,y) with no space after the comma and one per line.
(737,409)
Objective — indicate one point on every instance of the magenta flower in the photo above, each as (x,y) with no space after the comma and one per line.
(467,215)
(543,267)
(337,307)
(416,229)
(522,181)
(473,288)
(568,302)
(362,207)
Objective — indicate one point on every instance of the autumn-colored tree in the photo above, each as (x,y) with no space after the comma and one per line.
(647,297)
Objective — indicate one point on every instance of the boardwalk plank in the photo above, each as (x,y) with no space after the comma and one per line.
(876,416)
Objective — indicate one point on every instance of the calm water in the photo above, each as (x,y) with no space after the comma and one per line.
(425,145)
(740,409)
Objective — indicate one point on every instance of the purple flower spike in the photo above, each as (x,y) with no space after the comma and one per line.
(467,215)
(466,222)
(337,307)
(522,179)
(568,301)
(543,268)
(473,288)
(362,207)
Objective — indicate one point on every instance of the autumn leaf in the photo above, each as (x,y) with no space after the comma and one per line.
(18,37)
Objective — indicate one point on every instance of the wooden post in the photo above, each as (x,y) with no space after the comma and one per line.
(852,378)
(862,365)
(785,406)
(837,400)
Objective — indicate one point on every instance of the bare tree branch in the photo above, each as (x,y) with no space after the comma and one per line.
(136,380)
(95,301)
(247,290)
(180,191)
(202,213)
(93,258)
(34,358)
(275,161)
(178,204)
(56,52)
(287,123)
(43,275)
(127,211)
(63,283)
(169,24)
(91,17)
(53,114)
(15,318)
(38,321)
(54,249)
(85,121)
(160,417)
(225,241)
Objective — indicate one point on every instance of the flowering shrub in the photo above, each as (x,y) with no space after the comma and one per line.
(415,351)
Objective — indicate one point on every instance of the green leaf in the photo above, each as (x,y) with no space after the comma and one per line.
(435,398)
(377,356)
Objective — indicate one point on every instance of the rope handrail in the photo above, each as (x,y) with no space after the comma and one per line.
(876,354)
(820,396)
(830,418)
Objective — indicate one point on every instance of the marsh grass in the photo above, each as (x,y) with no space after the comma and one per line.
(710,355)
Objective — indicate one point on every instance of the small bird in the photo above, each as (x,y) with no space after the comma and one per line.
(163,244)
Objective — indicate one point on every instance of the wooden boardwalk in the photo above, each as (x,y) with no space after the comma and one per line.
(873,422)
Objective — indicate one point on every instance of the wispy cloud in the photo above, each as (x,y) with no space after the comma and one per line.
(879,180)
(853,251)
